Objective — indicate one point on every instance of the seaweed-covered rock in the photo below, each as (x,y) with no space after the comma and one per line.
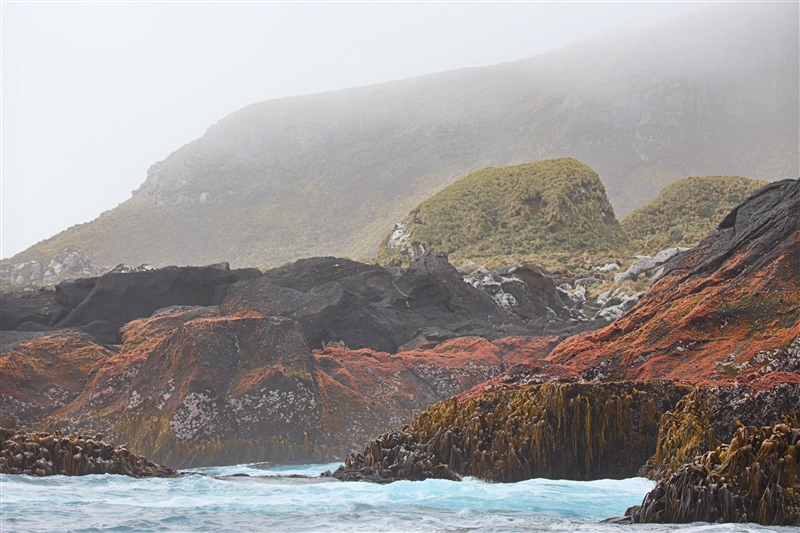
(754,478)
(710,415)
(555,430)
(42,454)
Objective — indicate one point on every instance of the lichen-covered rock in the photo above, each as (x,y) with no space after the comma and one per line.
(191,387)
(42,454)
(42,372)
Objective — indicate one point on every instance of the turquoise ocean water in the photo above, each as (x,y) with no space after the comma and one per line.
(217,502)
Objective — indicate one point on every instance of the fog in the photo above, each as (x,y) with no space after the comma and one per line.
(94,93)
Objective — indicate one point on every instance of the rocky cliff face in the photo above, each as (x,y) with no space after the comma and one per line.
(304,362)
(727,309)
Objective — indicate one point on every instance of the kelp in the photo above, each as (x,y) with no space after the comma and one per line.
(556,430)
(754,478)
(44,454)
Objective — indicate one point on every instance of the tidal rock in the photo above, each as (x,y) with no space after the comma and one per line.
(43,454)
(754,478)
(556,430)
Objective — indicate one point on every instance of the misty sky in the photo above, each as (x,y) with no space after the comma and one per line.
(94,93)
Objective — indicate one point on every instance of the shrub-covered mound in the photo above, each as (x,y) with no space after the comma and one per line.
(555,205)
(687,211)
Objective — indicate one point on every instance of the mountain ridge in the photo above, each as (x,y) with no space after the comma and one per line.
(329,174)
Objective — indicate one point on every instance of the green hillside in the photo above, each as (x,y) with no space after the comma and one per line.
(686,211)
(542,208)
(713,92)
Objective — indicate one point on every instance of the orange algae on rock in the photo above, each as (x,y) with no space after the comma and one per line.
(727,308)
(42,371)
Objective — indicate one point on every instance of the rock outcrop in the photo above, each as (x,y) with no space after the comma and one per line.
(728,309)
(368,306)
(558,431)
(69,263)
(43,371)
(754,478)
(42,454)
(101,306)
(190,386)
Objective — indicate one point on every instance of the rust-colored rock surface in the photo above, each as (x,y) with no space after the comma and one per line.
(192,387)
(728,309)
(40,372)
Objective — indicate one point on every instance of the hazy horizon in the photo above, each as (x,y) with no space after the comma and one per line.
(93,94)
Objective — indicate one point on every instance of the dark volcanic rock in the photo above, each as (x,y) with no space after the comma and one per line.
(100,306)
(368,306)
(117,298)
(71,293)
(39,307)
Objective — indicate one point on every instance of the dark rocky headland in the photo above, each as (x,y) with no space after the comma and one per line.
(696,386)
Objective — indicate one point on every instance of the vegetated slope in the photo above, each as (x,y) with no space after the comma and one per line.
(687,211)
(548,206)
(713,92)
